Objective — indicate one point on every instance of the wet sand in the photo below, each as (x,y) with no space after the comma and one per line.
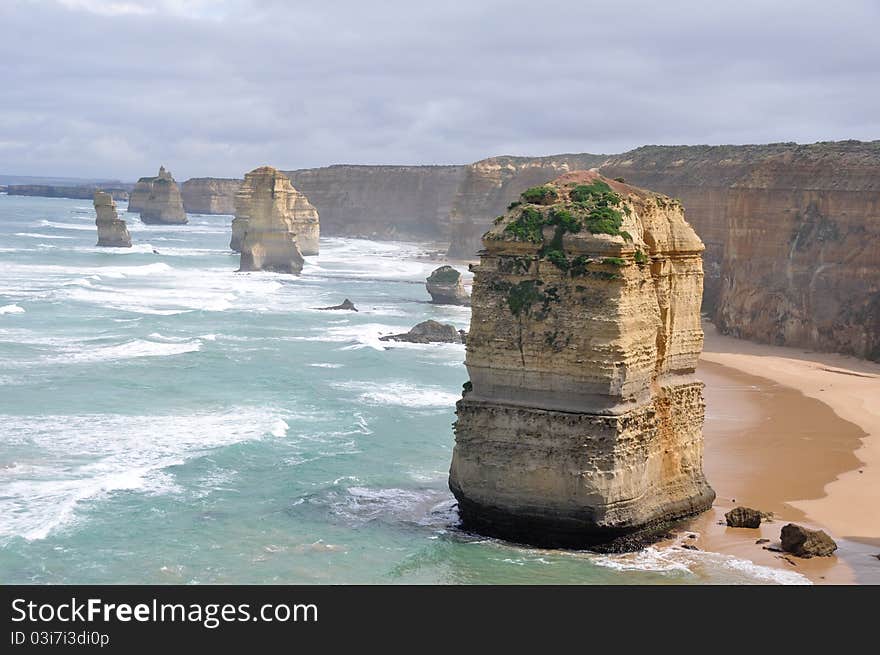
(788,432)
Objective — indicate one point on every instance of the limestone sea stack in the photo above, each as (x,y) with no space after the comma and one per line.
(301,214)
(158,200)
(444,285)
(269,212)
(581,424)
(112,231)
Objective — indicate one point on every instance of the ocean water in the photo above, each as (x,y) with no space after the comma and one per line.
(164,419)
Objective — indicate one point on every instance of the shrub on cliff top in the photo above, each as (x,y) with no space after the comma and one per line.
(540,195)
(528,226)
(444,275)
(587,192)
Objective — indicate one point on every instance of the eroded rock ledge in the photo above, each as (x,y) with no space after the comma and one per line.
(581,424)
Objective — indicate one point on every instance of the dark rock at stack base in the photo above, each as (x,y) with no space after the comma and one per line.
(428,332)
(344,305)
(743,517)
(444,285)
(581,424)
(112,231)
(806,543)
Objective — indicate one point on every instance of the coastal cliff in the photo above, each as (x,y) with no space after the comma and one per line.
(491,184)
(381,202)
(581,424)
(158,200)
(272,211)
(119,192)
(112,231)
(209,195)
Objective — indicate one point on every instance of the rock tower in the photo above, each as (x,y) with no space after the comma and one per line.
(112,231)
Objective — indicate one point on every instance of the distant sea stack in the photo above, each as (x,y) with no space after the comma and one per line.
(581,424)
(272,216)
(445,287)
(158,200)
(112,231)
(209,195)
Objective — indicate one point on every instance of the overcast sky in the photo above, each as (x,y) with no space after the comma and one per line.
(113,88)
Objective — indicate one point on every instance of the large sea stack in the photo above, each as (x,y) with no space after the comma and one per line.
(272,217)
(581,424)
(293,205)
(158,200)
(112,231)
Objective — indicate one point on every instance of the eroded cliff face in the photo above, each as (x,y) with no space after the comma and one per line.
(112,231)
(581,424)
(791,232)
(275,217)
(158,200)
(209,195)
(382,202)
(491,184)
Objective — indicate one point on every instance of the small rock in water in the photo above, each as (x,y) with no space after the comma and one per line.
(689,547)
(345,304)
(428,332)
(806,543)
(743,517)
(773,549)
(762,541)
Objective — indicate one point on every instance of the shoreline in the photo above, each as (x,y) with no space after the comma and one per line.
(802,431)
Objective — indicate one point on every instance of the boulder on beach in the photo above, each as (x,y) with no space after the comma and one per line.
(743,517)
(806,543)
(444,285)
(428,332)
(344,305)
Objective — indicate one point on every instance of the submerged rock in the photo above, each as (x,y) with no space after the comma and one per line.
(806,543)
(428,332)
(158,200)
(112,231)
(743,517)
(581,424)
(345,304)
(266,205)
(444,285)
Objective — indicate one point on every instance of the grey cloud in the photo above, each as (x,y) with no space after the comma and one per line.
(217,88)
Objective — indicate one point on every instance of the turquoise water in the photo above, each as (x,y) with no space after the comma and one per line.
(164,419)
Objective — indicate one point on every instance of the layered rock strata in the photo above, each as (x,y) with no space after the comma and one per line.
(299,211)
(158,200)
(445,287)
(209,195)
(112,231)
(581,424)
(272,212)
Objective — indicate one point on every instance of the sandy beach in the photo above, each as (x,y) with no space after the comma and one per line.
(795,433)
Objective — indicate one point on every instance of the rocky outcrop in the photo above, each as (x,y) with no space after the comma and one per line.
(112,231)
(268,206)
(806,543)
(445,287)
(302,215)
(345,305)
(581,424)
(209,195)
(382,202)
(743,517)
(429,332)
(117,192)
(491,184)
(157,200)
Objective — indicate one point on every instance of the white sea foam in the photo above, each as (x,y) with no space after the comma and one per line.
(65,226)
(128,350)
(280,428)
(77,459)
(326,365)
(402,394)
(697,565)
(11,309)
(37,235)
